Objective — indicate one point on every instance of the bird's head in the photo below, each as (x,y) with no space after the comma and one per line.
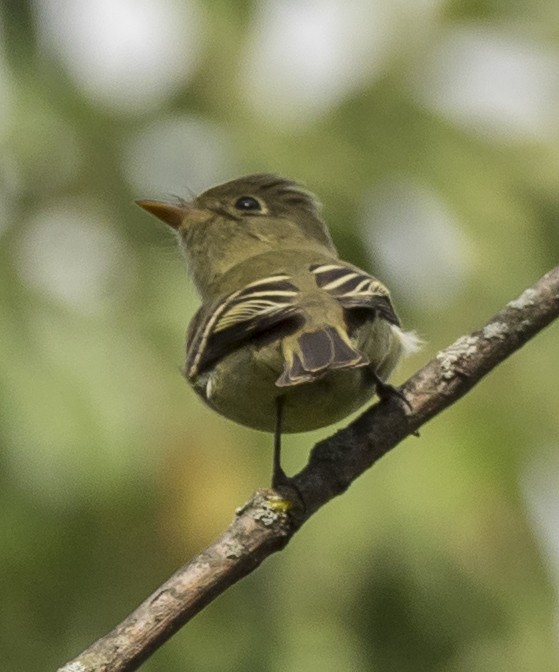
(242,218)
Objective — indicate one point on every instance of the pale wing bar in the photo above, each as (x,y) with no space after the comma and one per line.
(242,314)
(355,289)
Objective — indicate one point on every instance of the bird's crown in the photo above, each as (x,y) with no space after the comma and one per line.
(261,193)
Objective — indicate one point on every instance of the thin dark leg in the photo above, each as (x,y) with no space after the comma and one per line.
(386,391)
(279,476)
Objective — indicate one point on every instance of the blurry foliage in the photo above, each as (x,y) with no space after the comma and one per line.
(443,557)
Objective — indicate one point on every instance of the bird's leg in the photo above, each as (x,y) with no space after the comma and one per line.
(387,391)
(279,477)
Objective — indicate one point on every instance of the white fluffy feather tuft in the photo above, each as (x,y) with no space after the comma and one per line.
(409,340)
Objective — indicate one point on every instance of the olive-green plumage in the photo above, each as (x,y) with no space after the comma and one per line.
(282,317)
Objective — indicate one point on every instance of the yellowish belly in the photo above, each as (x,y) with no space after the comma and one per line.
(242,388)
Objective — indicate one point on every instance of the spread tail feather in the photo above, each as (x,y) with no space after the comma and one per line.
(316,352)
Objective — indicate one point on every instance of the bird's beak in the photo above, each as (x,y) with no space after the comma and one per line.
(178,215)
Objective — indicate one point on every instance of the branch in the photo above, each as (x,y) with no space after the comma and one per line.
(269,520)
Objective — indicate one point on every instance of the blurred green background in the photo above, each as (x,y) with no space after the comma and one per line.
(430,130)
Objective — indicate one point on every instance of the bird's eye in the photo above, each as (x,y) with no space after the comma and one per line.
(247,203)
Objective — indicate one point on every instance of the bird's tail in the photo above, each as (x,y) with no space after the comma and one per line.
(311,354)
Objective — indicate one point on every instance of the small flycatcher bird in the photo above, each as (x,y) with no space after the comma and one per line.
(289,337)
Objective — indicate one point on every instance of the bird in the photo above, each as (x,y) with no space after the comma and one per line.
(288,337)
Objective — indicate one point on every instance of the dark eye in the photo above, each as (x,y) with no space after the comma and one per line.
(247,203)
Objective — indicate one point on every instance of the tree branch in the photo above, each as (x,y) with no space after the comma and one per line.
(268,521)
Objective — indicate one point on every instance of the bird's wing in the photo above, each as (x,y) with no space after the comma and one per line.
(354,288)
(235,318)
